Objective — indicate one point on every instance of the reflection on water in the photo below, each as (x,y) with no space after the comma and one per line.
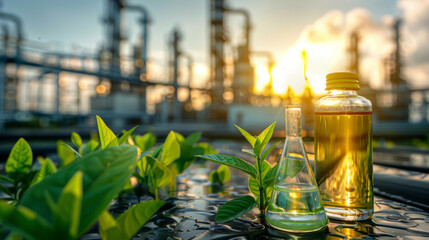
(191,215)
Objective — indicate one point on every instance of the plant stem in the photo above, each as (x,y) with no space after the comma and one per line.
(156,194)
(262,205)
(261,192)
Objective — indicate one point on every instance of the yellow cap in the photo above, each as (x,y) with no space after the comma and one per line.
(342,80)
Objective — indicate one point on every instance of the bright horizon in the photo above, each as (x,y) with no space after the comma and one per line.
(282,28)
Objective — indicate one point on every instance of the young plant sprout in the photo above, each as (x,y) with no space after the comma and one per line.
(220,176)
(261,176)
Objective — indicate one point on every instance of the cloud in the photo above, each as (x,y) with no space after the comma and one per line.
(326,42)
(328,38)
(415,35)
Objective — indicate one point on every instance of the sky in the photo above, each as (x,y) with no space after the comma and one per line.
(278,26)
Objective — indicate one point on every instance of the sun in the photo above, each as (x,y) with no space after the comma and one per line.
(322,58)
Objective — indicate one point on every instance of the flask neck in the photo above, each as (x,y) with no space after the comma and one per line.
(342,93)
(293,121)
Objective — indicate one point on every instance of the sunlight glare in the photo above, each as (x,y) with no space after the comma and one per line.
(323,58)
(262,78)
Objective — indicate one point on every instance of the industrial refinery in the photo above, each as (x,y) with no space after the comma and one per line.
(42,88)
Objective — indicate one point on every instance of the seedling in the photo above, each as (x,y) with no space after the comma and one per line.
(66,204)
(19,172)
(159,168)
(261,178)
(220,175)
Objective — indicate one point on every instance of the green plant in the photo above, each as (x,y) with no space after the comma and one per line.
(160,167)
(127,225)
(66,204)
(153,166)
(145,142)
(189,149)
(19,172)
(220,175)
(261,178)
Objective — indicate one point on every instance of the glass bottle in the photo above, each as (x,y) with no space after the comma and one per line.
(295,204)
(343,149)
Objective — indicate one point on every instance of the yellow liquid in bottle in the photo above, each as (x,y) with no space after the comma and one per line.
(343,166)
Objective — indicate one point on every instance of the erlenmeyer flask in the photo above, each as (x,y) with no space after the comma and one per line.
(295,203)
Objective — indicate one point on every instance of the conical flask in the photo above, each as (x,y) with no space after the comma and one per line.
(295,204)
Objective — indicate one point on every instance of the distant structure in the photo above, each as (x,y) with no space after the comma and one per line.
(389,104)
(124,86)
(401,95)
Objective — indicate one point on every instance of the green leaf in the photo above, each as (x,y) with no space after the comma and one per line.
(76,139)
(206,148)
(187,156)
(5,190)
(109,228)
(105,172)
(249,151)
(253,187)
(214,177)
(89,147)
(41,160)
(161,174)
(224,173)
(6,179)
(267,152)
(270,176)
(157,152)
(13,236)
(179,137)
(48,168)
(171,149)
(66,155)
(67,212)
(146,141)
(265,136)
(235,208)
(19,161)
(125,136)
(107,137)
(24,222)
(233,162)
(25,183)
(76,153)
(137,216)
(193,138)
(257,149)
(253,183)
(251,139)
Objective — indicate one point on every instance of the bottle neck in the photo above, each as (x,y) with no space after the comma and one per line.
(293,121)
(342,92)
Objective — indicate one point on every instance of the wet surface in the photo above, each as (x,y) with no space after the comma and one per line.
(191,215)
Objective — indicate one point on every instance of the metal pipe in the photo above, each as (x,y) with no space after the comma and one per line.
(190,67)
(248,25)
(112,76)
(190,72)
(5,31)
(145,20)
(217,52)
(18,25)
(176,52)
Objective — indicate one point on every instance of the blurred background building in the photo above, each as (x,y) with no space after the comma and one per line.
(46,86)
